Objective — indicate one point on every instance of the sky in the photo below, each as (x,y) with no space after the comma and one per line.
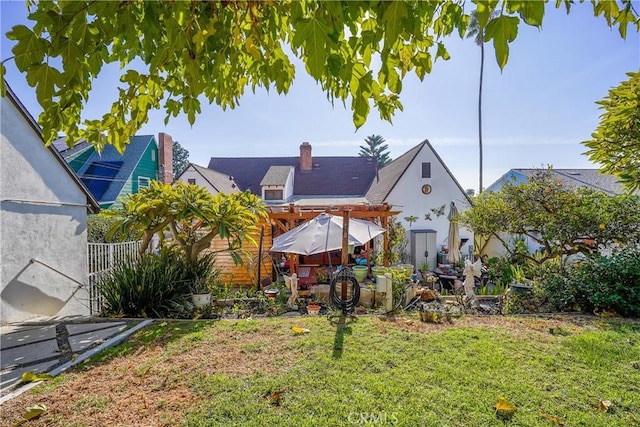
(536,111)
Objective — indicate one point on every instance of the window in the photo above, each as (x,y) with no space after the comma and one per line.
(426,169)
(273,194)
(143,182)
(153,155)
(191,180)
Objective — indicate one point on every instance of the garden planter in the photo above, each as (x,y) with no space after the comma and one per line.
(360,272)
(378,271)
(200,300)
(313,309)
(271,293)
(519,289)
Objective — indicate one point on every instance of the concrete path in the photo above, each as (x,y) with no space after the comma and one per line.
(45,346)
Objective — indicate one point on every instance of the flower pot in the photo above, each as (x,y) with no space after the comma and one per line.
(272,293)
(378,271)
(313,309)
(360,272)
(200,300)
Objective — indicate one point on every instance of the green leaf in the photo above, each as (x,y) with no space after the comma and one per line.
(335,64)
(393,17)
(503,30)
(485,8)
(45,79)
(531,12)
(312,34)
(607,8)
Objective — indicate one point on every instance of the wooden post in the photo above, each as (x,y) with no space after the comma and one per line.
(345,248)
(385,244)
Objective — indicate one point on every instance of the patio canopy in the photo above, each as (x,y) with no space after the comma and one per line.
(324,233)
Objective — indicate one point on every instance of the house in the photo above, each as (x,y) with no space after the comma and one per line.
(571,178)
(303,180)
(213,181)
(43,224)
(295,190)
(420,185)
(111,175)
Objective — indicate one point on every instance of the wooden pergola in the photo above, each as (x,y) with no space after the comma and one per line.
(285,218)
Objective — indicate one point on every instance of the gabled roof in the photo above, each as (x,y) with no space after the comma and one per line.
(276,175)
(390,174)
(574,178)
(92,203)
(113,170)
(220,182)
(330,176)
(61,145)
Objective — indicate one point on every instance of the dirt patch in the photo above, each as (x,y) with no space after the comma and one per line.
(149,386)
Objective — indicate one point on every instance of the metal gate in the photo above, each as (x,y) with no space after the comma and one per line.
(101,258)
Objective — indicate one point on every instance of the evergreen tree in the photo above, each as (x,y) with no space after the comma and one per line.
(180,159)
(377,148)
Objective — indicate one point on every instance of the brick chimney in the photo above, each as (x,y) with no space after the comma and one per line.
(165,158)
(306,163)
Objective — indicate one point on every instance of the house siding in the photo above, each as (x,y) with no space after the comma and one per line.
(407,195)
(43,217)
(239,275)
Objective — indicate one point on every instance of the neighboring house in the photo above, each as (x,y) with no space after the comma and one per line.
(214,181)
(43,224)
(419,184)
(302,180)
(110,175)
(571,178)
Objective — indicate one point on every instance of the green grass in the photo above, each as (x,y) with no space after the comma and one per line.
(371,372)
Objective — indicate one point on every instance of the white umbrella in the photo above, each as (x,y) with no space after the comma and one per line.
(324,233)
(454,235)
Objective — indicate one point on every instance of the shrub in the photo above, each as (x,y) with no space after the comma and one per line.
(154,285)
(609,283)
(597,283)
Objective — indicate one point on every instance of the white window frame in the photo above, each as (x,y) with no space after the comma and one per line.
(142,184)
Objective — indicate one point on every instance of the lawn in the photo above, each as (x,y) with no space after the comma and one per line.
(561,370)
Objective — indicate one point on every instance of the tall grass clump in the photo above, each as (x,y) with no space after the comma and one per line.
(153,285)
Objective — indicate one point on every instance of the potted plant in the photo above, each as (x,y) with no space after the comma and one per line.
(200,292)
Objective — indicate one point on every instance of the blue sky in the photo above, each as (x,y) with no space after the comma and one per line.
(535,112)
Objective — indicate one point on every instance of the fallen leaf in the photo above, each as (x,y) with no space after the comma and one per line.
(504,408)
(553,419)
(31,376)
(275,397)
(299,330)
(604,405)
(32,412)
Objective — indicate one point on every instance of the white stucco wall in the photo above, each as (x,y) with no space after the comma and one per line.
(192,173)
(408,198)
(43,217)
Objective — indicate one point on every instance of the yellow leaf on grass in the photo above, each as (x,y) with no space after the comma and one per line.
(604,405)
(553,419)
(504,408)
(299,330)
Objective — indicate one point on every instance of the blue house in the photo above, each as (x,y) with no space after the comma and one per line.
(110,175)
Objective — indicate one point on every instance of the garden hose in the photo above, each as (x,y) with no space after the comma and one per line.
(348,305)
